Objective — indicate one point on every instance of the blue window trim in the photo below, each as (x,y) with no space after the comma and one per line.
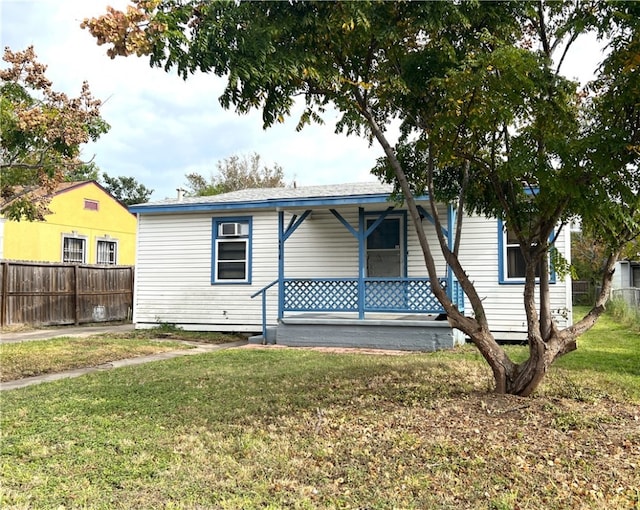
(214,237)
(391,213)
(502,270)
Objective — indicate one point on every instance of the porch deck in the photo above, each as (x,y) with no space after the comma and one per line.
(409,332)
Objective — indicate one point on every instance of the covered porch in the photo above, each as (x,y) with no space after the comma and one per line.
(380,307)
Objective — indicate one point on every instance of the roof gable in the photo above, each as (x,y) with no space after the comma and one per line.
(39,192)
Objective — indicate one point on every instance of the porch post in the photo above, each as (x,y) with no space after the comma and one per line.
(280,264)
(451,217)
(361,262)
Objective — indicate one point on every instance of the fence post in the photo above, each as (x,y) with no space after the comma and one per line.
(76,295)
(132,282)
(5,293)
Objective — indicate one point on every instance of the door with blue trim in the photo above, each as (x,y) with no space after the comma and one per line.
(384,249)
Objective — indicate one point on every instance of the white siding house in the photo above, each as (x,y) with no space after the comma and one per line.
(626,275)
(206,263)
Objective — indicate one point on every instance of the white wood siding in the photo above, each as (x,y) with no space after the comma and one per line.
(504,303)
(173,270)
(415,260)
(322,247)
(173,274)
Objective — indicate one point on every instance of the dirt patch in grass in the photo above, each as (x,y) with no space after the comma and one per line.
(335,350)
(172,333)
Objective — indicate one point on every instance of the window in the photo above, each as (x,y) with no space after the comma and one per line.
(515,264)
(74,249)
(91,205)
(512,267)
(231,250)
(107,252)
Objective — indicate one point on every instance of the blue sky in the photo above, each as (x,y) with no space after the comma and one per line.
(163,127)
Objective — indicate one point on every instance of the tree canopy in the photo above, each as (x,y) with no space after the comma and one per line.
(126,189)
(42,133)
(488,121)
(236,173)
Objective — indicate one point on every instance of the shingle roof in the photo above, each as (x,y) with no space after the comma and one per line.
(267,194)
(264,196)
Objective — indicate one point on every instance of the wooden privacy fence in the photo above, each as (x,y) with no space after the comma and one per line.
(41,294)
(582,292)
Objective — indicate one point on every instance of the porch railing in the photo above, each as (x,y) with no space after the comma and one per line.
(390,295)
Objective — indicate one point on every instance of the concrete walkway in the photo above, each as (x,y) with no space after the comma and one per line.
(84,331)
(75,331)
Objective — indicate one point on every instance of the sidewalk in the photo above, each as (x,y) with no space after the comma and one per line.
(84,331)
(75,331)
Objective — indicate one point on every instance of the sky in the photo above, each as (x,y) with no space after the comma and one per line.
(163,127)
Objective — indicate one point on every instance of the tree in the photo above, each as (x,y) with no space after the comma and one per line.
(236,173)
(126,189)
(84,172)
(487,119)
(42,132)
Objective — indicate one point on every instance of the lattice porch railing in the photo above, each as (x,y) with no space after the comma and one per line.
(397,295)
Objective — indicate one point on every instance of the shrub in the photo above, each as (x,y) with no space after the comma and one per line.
(624,313)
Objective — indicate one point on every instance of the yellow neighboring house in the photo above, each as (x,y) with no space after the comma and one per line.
(86,226)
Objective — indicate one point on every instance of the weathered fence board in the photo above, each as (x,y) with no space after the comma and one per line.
(41,294)
(582,292)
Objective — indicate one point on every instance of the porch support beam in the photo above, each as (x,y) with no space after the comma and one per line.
(361,235)
(346,224)
(294,223)
(423,213)
(283,235)
(379,220)
(281,240)
(451,221)
(361,262)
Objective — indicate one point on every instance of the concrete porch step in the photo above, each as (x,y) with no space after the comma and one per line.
(260,340)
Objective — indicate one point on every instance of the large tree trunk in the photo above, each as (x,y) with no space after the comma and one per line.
(546,343)
(525,378)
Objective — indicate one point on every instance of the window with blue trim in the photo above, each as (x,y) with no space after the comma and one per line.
(231,250)
(511,264)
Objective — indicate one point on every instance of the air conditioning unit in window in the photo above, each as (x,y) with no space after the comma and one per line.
(231,229)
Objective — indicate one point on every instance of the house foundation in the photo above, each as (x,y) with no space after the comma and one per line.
(407,333)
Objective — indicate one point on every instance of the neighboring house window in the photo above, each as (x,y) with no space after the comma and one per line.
(512,266)
(91,205)
(107,252)
(231,250)
(74,249)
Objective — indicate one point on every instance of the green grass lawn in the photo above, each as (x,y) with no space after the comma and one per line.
(607,359)
(292,428)
(37,357)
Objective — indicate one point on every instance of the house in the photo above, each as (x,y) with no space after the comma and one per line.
(626,282)
(321,265)
(86,225)
(626,275)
